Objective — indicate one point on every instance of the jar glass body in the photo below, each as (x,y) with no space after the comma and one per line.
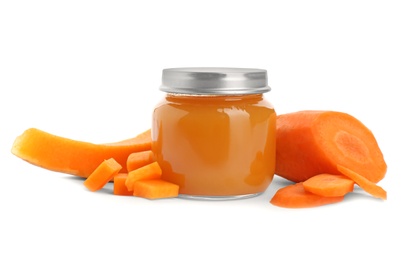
(215,146)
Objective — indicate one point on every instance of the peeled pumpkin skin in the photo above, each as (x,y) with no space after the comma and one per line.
(312,142)
(74,157)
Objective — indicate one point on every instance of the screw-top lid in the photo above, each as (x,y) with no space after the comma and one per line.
(214,81)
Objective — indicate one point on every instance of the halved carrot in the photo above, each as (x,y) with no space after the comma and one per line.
(314,142)
(139,159)
(150,171)
(329,185)
(155,189)
(364,183)
(74,157)
(295,196)
(102,174)
(119,185)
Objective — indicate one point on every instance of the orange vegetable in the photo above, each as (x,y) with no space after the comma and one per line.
(119,185)
(364,183)
(147,172)
(295,196)
(314,142)
(139,159)
(155,189)
(71,156)
(102,174)
(329,185)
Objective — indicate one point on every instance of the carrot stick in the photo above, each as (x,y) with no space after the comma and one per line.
(150,171)
(102,174)
(119,185)
(314,142)
(329,185)
(155,189)
(139,159)
(364,183)
(294,196)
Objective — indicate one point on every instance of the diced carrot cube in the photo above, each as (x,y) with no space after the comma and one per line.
(155,189)
(139,159)
(119,185)
(147,172)
(102,174)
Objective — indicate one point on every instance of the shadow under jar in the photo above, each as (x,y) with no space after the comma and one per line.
(214,132)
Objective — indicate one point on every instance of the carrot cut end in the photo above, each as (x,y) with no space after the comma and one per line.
(310,142)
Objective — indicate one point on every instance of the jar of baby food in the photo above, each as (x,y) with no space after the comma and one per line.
(214,132)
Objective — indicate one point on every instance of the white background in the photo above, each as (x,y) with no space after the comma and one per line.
(90,70)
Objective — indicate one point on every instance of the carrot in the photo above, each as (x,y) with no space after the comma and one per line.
(329,185)
(74,157)
(295,196)
(139,159)
(150,171)
(155,189)
(102,174)
(119,185)
(364,183)
(314,142)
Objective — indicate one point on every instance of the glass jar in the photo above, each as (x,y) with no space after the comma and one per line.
(214,132)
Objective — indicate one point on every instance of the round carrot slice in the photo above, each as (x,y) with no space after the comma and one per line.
(295,196)
(329,185)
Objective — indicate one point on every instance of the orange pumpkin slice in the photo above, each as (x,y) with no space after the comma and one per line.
(74,157)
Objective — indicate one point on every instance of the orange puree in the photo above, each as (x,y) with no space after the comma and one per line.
(215,145)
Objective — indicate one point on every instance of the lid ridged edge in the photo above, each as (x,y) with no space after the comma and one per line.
(214,81)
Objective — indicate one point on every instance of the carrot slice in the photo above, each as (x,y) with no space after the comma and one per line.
(147,172)
(102,174)
(314,142)
(295,196)
(155,189)
(71,156)
(119,185)
(329,185)
(364,183)
(139,159)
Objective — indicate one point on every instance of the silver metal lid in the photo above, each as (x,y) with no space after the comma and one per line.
(214,81)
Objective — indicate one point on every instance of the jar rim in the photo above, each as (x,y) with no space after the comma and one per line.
(214,81)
